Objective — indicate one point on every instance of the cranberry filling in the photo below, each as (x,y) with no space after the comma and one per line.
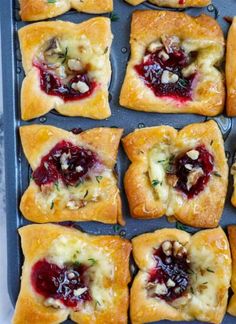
(196,170)
(154,64)
(67,162)
(51,281)
(170,273)
(52,85)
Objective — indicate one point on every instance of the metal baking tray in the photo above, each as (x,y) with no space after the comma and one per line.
(17,168)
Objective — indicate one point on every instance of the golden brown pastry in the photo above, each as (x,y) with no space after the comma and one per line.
(67,68)
(230,70)
(42,9)
(70,273)
(182,174)
(173,3)
(232,241)
(173,63)
(233,173)
(181,278)
(73,176)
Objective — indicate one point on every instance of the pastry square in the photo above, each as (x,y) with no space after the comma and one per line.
(70,273)
(173,3)
(173,62)
(177,173)
(73,175)
(230,70)
(31,10)
(181,277)
(232,241)
(67,68)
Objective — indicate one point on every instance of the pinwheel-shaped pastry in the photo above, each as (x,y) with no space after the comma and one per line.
(173,3)
(182,174)
(73,177)
(173,64)
(181,278)
(69,273)
(230,70)
(67,68)
(42,9)
(232,241)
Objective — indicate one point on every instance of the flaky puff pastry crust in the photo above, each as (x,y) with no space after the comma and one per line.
(37,141)
(36,242)
(34,101)
(173,3)
(230,70)
(232,241)
(233,173)
(205,209)
(206,249)
(201,34)
(31,10)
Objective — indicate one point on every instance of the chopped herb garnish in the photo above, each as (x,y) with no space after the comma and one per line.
(64,55)
(116,228)
(97,303)
(114,17)
(216,174)
(52,205)
(93,261)
(190,271)
(106,50)
(156,183)
(77,263)
(211,142)
(86,194)
(98,178)
(56,184)
(52,1)
(183,227)
(210,270)
(205,283)
(191,289)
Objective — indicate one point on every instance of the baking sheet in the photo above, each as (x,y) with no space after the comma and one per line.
(17,168)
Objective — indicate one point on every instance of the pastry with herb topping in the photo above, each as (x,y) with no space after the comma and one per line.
(181,277)
(174,64)
(67,273)
(67,68)
(232,241)
(42,9)
(73,175)
(177,173)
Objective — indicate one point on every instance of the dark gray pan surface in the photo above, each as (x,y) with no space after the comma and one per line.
(17,169)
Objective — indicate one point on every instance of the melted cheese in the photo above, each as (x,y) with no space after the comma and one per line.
(77,196)
(69,249)
(158,157)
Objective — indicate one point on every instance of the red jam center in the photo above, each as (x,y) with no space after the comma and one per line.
(198,169)
(155,64)
(171,271)
(51,281)
(52,85)
(66,162)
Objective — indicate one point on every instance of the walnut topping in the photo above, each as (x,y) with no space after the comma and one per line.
(154,46)
(169,77)
(193,154)
(170,283)
(64,161)
(80,291)
(75,65)
(171,43)
(193,177)
(161,289)
(179,249)
(163,55)
(188,166)
(80,86)
(167,248)
(79,168)
(54,303)
(172,179)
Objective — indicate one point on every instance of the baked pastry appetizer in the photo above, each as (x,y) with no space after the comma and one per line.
(230,70)
(173,3)
(232,241)
(73,175)
(177,173)
(42,9)
(173,62)
(69,273)
(67,68)
(181,278)
(233,173)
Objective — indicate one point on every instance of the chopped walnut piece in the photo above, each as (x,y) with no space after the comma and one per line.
(154,46)
(193,154)
(193,177)
(171,43)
